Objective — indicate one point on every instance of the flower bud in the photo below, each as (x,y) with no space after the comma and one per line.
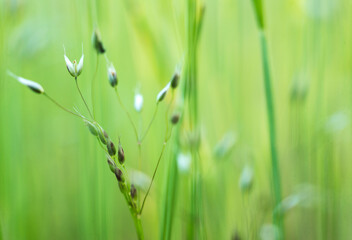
(73,68)
(246,179)
(112,75)
(162,93)
(97,43)
(138,102)
(175,80)
(121,154)
(35,87)
(175,118)
(133,192)
(112,165)
(119,175)
(111,148)
(92,129)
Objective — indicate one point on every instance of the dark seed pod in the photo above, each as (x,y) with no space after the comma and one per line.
(175,118)
(97,43)
(121,154)
(119,175)
(175,80)
(101,135)
(111,148)
(112,165)
(112,76)
(133,192)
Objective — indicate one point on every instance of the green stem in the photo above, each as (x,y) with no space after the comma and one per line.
(155,170)
(277,217)
(85,103)
(128,114)
(62,107)
(138,225)
(151,122)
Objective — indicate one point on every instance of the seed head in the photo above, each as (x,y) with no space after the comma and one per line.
(112,75)
(112,165)
(92,129)
(101,135)
(111,148)
(97,43)
(73,68)
(105,134)
(175,118)
(175,80)
(119,175)
(138,102)
(133,192)
(121,154)
(162,93)
(35,87)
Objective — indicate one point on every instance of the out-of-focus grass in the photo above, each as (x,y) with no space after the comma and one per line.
(54,180)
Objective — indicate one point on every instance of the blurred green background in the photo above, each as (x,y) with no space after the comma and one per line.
(54,179)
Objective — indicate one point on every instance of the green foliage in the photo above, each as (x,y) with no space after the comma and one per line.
(55,181)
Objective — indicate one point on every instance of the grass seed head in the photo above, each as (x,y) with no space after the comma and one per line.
(133,192)
(92,128)
(175,80)
(175,118)
(111,148)
(112,165)
(101,134)
(138,102)
(35,87)
(119,175)
(162,93)
(74,68)
(97,42)
(121,154)
(112,75)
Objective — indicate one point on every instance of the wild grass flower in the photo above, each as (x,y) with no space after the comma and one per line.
(112,75)
(74,68)
(35,87)
(161,95)
(97,42)
(138,102)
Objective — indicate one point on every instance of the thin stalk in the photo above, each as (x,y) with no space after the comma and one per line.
(166,139)
(195,18)
(150,123)
(62,107)
(128,114)
(170,190)
(155,170)
(277,217)
(85,103)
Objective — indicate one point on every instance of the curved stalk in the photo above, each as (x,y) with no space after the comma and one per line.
(85,103)
(62,107)
(151,122)
(128,114)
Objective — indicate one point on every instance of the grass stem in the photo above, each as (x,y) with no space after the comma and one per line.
(62,107)
(127,113)
(85,103)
